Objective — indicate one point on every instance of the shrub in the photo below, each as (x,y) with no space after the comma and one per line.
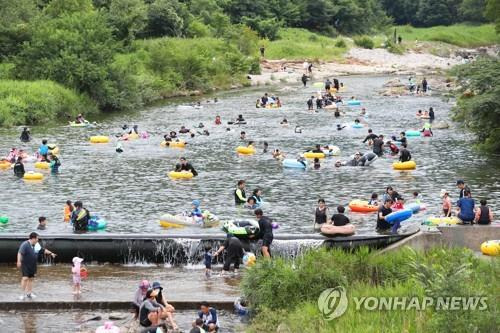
(340,43)
(33,102)
(364,42)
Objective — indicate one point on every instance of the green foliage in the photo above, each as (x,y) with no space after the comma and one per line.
(197,29)
(285,293)
(459,34)
(478,106)
(364,42)
(128,18)
(340,43)
(7,71)
(58,8)
(299,44)
(472,10)
(491,12)
(33,102)
(14,25)
(394,47)
(164,19)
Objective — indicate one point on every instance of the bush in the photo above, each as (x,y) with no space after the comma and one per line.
(340,43)
(33,102)
(364,42)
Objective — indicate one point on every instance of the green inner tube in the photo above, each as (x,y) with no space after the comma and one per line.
(243,228)
(4,219)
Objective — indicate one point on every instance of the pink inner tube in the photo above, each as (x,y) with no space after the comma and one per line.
(108,327)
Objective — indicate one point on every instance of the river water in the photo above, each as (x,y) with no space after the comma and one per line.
(131,190)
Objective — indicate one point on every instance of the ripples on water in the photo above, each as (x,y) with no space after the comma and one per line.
(131,190)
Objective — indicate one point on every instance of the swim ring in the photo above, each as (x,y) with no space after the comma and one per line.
(409,165)
(99,139)
(108,327)
(441,220)
(181,220)
(314,155)
(291,163)
(491,247)
(332,151)
(173,144)
(245,150)
(398,216)
(4,165)
(412,133)
(180,175)
(4,219)
(53,149)
(415,207)
(249,259)
(42,165)
(357,125)
(361,206)
(96,223)
(75,124)
(241,228)
(331,230)
(32,176)
(353,102)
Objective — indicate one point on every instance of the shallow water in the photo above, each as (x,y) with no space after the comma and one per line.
(131,190)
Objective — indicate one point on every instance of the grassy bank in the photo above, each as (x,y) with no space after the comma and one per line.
(299,44)
(285,293)
(462,35)
(35,102)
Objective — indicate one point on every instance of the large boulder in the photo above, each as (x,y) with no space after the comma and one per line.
(394,83)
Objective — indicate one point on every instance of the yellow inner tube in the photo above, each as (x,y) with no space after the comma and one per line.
(491,248)
(166,224)
(42,165)
(409,165)
(443,220)
(33,176)
(55,150)
(174,144)
(4,165)
(99,139)
(245,150)
(180,175)
(314,155)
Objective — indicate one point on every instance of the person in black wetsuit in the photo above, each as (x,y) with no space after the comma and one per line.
(328,84)
(304,79)
(404,154)
(265,232)
(184,165)
(310,103)
(431,115)
(402,138)
(370,136)
(340,127)
(383,211)
(25,135)
(263,100)
(19,168)
(336,84)
(317,149)
(378,146)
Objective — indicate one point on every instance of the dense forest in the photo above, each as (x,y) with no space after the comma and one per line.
(59,57)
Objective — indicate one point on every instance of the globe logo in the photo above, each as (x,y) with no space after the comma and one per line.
(332,302)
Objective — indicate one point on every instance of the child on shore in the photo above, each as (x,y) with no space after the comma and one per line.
(77,278)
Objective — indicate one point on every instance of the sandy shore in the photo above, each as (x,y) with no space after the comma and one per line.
(357,61)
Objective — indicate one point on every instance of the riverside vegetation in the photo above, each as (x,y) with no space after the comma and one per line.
(89,56)
(284,293)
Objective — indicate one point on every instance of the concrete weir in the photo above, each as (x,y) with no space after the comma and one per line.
(172,248)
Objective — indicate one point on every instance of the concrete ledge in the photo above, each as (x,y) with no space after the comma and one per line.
(83,305)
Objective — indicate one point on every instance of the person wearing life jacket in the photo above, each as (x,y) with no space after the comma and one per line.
(483,213)
(55,163)
(257,195)
(240,197)
(320,215)
(427,131)
(80,218)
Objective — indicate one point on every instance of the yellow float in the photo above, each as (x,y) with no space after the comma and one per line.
(4,165)
(442,220)
(173,144)
(99,139)
(180,175)
(245,150)
(42,165)
(168,224)
(54,150)
(33,176)
(408,165)
(314,155)
(133,136)
(491,248)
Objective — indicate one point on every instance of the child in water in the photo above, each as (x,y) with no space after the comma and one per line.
(374,199)
(77,278)
(68,209)
(251,204)
(208,260)
(196,212)
(398,204)
(317,165)
(218,120)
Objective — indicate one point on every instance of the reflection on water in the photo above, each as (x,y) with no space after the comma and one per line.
(131,189)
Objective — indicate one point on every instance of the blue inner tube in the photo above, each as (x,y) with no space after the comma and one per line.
(353,102)
(96,223)
(291,163)
(357,125)
(399,216)
(412,133)
(414,207)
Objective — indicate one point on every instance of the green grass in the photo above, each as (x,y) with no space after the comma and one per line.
(462,35)
(300,44)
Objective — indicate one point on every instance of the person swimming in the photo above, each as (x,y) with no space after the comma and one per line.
(183,130)
(25,135)
(340,127)
(277,154)
(284,122)
(298,129)
(218,121)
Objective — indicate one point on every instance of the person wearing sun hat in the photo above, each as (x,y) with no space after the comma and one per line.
(167,309)
(77,278)
(140,293)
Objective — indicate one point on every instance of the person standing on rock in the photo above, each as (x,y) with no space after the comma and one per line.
(27,258)
(424,85)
